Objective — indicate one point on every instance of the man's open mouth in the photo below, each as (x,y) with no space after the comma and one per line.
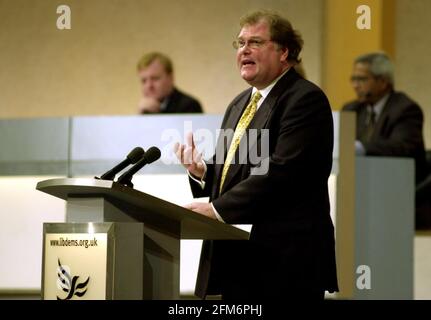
(247,62)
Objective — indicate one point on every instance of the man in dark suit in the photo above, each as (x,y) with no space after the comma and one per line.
(388,123)
(159,94)
(291,251)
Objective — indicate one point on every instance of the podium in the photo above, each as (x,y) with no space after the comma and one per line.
(117,242)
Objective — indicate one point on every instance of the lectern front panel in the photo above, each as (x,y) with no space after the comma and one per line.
(92,261)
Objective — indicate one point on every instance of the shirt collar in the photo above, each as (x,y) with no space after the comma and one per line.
(378,106)
(265,91)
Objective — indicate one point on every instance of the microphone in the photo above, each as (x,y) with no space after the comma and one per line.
(133,157)
(150,156)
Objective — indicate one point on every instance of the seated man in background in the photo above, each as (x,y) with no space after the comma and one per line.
(388,123)
(159,94)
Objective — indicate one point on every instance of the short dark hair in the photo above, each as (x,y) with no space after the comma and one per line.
(149,58)
(281,31)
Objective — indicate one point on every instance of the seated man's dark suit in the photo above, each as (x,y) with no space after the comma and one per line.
(398,130)
(398,133)
(179,102)
(291,251)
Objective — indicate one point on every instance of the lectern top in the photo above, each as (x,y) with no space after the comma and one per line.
(142,207)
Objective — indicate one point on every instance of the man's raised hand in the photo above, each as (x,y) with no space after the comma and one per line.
(189,157)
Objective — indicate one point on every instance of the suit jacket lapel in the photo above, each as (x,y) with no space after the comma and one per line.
(361,122)
(222,147)
(381,121)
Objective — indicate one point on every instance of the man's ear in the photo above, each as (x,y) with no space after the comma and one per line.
(171,78)
(284,55)
(383,83)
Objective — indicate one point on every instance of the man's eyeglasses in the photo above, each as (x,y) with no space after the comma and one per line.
(254,43)
(359,79)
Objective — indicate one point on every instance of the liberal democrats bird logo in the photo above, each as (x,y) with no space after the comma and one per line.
(68,284)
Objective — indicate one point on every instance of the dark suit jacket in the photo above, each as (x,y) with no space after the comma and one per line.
(291,245)
(398,131)
(179,102)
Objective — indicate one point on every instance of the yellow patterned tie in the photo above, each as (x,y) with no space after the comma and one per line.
(242,125)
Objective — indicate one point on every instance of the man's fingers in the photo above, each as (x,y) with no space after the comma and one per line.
(176,147)
(188,155)
(190,141)
(179,151)
(198,158)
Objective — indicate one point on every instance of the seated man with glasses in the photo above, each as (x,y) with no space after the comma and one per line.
(388,123)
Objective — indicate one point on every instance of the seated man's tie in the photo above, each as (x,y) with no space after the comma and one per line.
(371,122)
